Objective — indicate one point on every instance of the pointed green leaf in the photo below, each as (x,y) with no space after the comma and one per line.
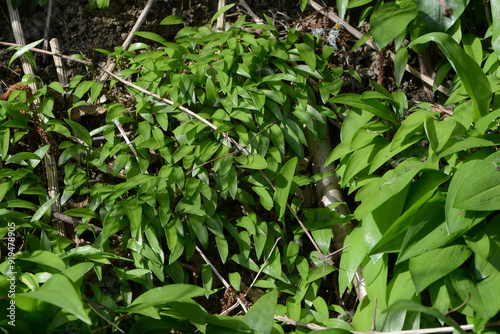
(169,293)
(45,258)
(391,19)
(171,20)
(434,264)
(307,55)
(484,295)
(283,185)
(409,305)
(221,11)
(43,209)
(81,131)
(23,50)
(260,317)
(252,161)
(61,292)
(400,62)
(476,184)
(474,80)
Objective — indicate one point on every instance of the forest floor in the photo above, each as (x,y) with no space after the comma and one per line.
(78,27)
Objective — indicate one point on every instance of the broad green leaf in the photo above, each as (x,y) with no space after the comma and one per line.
(378,222)
(283,184)
(484,295)
(265,198)
(470,142)
(495,15)
(222,248)
(20,157)
(252,161)
(436,263)
(472,46)
(133,209)
(81,131)
(373,106)
(351,257)
(260,317)
(307,55)
(171,20)
(419,193)
(61,292)
(303,4)
(23,50)
(486,244)
(441,74)
(439,16)
(151,36)
(168,293)
(391,19)
(473,79)
(220,12)
(43,209)
(408,305)
(400,62)
(81,212)
(391,183)
(76,272)
(44,258)
(476,185)
(360,159)
(443,133)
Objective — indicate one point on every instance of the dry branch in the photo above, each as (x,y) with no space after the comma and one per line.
(50,160)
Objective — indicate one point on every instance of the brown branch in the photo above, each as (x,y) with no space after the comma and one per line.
(75,221)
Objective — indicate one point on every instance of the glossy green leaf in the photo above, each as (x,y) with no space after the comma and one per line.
(400,62)
(81,212)
(307,55)
(221,11)
(419,194)
(172,20)
(484,295)
(168,293)
(133,209)
(438,16)
(372,106)
(265,198)
(44,258)
(252,161)
(391,183)
(351,257)
(260,317)
(476,184)
(495,16)
(473,79)
(434,264)
(44,208)
(283,184)
(151,36)
(390,20)
(413,306)
(22,50)
(81,131)
(486,244)
(61,292)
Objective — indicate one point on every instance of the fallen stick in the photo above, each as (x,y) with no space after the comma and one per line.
(49,158)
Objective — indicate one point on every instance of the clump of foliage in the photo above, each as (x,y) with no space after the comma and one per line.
(426,191)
